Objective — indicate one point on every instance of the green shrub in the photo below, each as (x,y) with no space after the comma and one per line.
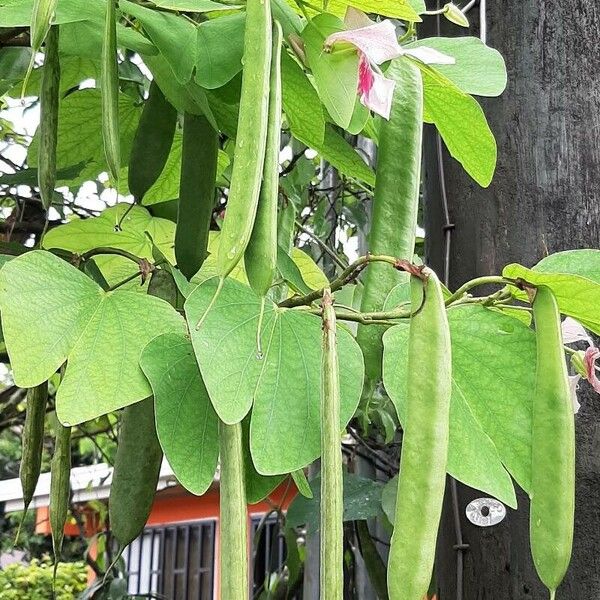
(34,581)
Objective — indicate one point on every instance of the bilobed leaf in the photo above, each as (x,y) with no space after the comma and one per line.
(335,72)
(461,123)
(82,235)
(493,365)
(186,422)
(52,313)
(220,46)
(577,296)
(301,102)
(173,35)
(281,385)
(478,70)
(80,133)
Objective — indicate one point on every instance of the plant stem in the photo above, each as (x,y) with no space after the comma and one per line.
(105,250)
(233,553)
(347,275)
(332,531)
(489,279)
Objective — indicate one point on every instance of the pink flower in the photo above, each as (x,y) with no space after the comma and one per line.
(584,362)
(376,43)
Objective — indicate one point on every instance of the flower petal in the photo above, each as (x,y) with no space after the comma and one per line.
(429,56)
(573,385)
(380,95)
(356,19)
(378,41)
(573,331)
(591,354)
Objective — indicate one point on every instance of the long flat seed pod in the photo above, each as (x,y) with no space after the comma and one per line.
(332,495)
(32,440)
(109,87)
(60,488)
(41,20)
(395,204)
(135,476)
(233,554)
(260,258)
(152,142)
(199,157)
(422,478)
(49,101)
(552,449)
(251,138)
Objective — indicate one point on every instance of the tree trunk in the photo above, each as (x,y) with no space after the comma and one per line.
(544,198)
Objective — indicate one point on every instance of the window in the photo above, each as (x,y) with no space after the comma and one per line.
(176,561)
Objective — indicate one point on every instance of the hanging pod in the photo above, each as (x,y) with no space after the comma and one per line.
(152,143)
(41,19)
(250,143)
(552,448)
(422,477)
(395,204)
(109,88)
(199,157)
(49,100)
(260,257)
(32,443)
(136,472)
(332,494)
(60,487)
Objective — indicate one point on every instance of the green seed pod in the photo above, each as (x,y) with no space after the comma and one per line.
(199,158)
(109,87)
(552,449)
(260,257)
(332,495)
(395,204)
(422,476)
(251,138)
(152,143)
(41,19)
(235,583)
(60,487)
(136,472)
(49,101)
(32,440)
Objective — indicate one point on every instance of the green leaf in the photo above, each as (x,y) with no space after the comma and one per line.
(341,155)
(461,123)
(335,72)
(493,365)
(584,262)
(186,422)
(311,273)
(478,70)
(388,499)
(173,35)
(281,385)
(52,313)
(577,296)
(258,486)
(362,500)
(80,133)
(218,62)
(302,483)
(301,102)
(407,10)
(82,235)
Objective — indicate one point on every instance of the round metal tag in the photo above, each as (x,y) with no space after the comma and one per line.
(485,512)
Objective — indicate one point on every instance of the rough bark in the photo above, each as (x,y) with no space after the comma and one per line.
(544,198)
